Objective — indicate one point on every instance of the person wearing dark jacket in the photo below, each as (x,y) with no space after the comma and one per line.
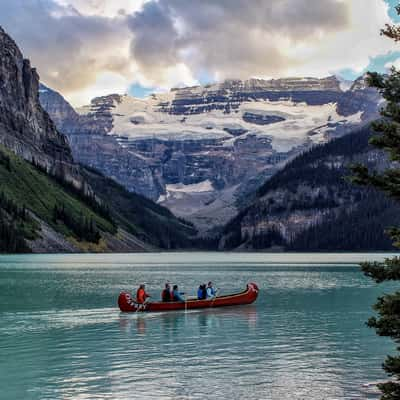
(202,292)
(166,294)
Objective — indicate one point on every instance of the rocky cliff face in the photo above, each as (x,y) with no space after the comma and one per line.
(25,127)
(200,150)
(80,210)
(62,113)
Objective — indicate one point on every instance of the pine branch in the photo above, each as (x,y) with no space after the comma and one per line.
(391,390)
(392,365)
(388,181)
(385,271)
(392,32)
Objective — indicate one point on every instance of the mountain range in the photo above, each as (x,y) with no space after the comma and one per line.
(236,165)
(201,150)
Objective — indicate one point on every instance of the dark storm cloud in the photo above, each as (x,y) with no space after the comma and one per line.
(154,32)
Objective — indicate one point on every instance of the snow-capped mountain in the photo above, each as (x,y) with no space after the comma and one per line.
(286,111)
(199,150)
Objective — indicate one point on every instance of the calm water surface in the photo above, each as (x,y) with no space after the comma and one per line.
(62,336)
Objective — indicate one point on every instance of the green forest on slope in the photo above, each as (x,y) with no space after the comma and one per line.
(355,217)
(27,192)
(26,188)
(140,216)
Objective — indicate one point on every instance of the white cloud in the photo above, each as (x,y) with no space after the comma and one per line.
(352,47)
(104,8)
(70,50)
(238,39)
(84,47)
(105,83)
(177,75)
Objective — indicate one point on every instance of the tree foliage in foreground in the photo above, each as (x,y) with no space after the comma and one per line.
(388,306)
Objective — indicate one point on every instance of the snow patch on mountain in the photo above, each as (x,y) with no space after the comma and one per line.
(178,189)
(301,122)
(292,123)
(205,186)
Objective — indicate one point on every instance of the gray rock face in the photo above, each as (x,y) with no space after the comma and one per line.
(261,119)
(97,121)
(228,95)
(25,127)
(201,150)
(62,113)
(105,154)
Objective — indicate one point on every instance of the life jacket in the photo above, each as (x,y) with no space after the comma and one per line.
(141,295)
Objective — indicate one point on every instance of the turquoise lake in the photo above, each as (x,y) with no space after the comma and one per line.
(62,335)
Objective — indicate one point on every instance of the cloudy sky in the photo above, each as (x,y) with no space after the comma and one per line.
(87,48)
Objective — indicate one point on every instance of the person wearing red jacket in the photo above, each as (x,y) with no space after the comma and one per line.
(141,294)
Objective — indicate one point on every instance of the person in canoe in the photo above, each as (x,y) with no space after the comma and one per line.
(176,294)
(202,292)
(166,294)
(211,292)
(141,295)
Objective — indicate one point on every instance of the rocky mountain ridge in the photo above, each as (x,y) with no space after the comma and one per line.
(24,125)
(227,137)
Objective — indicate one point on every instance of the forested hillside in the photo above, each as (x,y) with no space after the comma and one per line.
(140,216)
(310,205)
(29,197)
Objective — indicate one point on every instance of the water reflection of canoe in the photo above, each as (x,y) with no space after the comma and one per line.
(127,304)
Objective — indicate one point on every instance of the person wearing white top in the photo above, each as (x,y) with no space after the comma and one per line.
(210,291)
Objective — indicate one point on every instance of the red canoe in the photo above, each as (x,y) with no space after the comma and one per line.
(127,304)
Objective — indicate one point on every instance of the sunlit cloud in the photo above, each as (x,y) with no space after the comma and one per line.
(105,8)
(271,38)
(105,83)
(78,45)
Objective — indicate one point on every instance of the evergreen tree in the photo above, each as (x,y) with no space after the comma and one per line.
(387,306)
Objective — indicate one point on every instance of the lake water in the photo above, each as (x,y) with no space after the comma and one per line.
(63,337)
